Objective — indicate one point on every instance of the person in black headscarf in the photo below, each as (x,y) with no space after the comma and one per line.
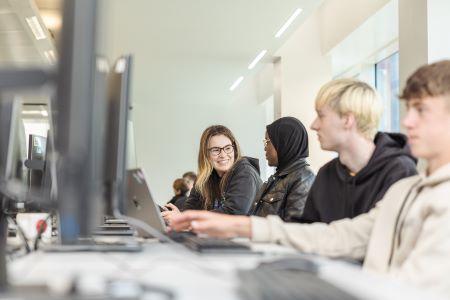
(285,193)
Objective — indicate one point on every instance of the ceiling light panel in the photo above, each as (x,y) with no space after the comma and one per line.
(257,59)
(236,83)
(36,27)
(288,22)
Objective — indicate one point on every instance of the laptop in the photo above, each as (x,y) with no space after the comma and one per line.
(141,206)
(140,203)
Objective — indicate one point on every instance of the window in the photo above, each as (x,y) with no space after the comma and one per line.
(387,80)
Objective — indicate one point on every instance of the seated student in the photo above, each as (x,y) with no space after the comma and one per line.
(180,189)
(226,182)
(368,163)
(407,235)
(284,194)
(190,178)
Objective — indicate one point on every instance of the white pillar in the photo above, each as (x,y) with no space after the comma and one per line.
(423,34)
(423,37)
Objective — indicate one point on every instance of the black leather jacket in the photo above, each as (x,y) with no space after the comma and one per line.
(285,193)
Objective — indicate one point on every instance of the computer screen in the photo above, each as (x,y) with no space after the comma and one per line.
(115,162)
(36,155)
(77,110)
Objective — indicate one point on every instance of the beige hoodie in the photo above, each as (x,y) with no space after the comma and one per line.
(406,236)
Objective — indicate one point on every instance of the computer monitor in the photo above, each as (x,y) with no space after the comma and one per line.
(13,146)
(77,110)
(35,163)
(115,162)
(11,160)
(46,182)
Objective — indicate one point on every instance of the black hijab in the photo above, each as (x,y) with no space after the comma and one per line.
(290,139)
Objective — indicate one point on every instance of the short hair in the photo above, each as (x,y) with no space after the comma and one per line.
(428,81)
(353,96)
(191,175)
(180,185)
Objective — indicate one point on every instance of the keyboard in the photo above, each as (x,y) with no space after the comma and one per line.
(129,232)
(287,281)
(213,245)
(180,236)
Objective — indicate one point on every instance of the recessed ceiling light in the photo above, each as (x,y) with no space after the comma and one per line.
(257,59)
(102,64)
(288,22)
(236,83)
(32,112)
(120,65)
(35,27)
(50,56)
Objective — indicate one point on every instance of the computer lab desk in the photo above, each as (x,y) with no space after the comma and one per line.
(186,274)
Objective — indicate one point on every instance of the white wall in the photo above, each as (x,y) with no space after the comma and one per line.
(167,131)
(306,62)
(304,70)
(438,24)
(339,18)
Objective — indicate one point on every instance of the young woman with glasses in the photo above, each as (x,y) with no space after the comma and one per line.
(226,181)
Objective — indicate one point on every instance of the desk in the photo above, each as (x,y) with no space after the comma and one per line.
(189,275)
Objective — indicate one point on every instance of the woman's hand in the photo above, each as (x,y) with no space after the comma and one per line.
(171,207)
(170,211)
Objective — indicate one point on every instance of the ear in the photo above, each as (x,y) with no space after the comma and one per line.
(349,120)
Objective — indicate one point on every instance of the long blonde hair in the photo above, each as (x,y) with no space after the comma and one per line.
(204,184)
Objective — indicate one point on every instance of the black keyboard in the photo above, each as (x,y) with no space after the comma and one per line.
(180,236)
(213,245)
(298,281)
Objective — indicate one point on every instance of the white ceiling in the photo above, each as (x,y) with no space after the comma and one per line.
(192,51)
(200,46)
(18,46)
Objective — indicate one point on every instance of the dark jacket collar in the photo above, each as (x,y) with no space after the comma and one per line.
(296,164)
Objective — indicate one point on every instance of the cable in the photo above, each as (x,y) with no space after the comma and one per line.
(41,231)
(13,191)
(21,233)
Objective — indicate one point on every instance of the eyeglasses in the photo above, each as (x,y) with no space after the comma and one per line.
(266,142)
(215,151)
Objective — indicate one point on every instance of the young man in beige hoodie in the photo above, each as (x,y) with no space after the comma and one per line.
(407,235)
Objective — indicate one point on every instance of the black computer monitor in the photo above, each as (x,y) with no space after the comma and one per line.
(115,159)
(77,110)
(36,156)
(11,166)
(12,143)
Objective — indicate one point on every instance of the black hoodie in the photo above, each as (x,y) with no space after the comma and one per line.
(239,191)
(335,194)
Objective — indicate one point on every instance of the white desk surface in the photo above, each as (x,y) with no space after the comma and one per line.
(189,275)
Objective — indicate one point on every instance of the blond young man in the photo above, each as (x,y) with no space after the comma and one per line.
(407,235)
(368,162)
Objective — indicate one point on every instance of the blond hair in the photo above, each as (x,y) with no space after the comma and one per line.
(345,96)
(204,184)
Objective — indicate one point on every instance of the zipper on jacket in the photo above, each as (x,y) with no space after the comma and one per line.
(397,220)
